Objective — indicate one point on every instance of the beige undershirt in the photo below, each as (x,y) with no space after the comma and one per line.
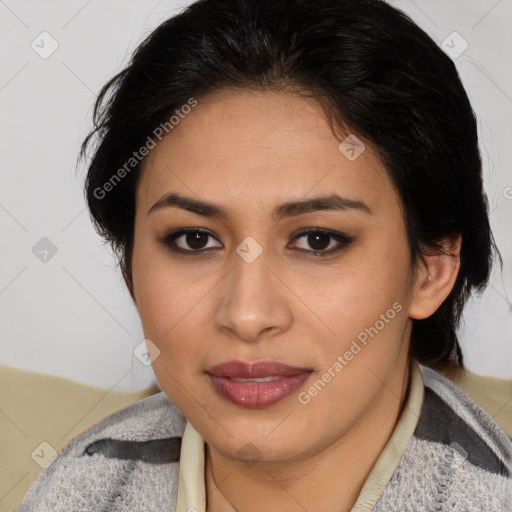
(191,484)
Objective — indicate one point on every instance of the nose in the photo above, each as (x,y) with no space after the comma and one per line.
(253,301)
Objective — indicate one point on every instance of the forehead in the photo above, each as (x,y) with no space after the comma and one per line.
(241,146)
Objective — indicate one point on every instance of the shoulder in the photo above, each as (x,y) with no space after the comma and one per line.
(458,458)
(127,460)
(449,414)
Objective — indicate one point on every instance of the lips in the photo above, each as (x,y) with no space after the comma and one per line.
(256,385)
(242,370)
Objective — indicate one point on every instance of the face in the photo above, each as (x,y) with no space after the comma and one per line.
(323,287)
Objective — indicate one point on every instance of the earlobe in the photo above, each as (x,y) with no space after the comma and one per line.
(435,279)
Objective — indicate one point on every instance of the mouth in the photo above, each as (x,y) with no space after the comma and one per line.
(256,385)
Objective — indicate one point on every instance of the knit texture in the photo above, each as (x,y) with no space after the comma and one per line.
(458,459)
(114,477)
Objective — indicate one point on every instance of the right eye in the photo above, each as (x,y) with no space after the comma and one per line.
(189,241)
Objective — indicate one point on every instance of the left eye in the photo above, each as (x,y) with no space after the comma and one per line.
(323,242)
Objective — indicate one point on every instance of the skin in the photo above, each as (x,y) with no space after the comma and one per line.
(248,152)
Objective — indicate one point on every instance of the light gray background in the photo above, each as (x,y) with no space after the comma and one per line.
(71,315)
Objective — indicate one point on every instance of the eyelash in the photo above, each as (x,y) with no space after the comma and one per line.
(343,240)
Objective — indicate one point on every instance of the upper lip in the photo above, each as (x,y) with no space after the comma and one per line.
(243,370)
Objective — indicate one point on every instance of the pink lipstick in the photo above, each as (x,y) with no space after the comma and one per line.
(256,385)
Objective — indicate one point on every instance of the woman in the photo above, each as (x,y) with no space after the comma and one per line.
(294,191)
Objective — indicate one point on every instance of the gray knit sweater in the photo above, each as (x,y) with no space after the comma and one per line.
(458,459)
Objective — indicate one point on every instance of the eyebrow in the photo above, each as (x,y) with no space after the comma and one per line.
(332,202)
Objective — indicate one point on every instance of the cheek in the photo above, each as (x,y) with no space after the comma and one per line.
(167,302)
(354,294)
(366,314)
(171,311)
(173,317)
(164,290)
(365,309)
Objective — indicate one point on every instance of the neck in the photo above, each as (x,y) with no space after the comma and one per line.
(339,471)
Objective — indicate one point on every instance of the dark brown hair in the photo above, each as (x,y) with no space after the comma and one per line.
(373,71)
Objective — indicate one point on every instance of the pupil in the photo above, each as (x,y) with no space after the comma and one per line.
(196,240)
(313,241)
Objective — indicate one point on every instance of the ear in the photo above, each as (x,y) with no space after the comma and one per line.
(435,279)
(127,276)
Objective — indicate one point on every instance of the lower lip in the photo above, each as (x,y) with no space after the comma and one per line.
(255,395)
